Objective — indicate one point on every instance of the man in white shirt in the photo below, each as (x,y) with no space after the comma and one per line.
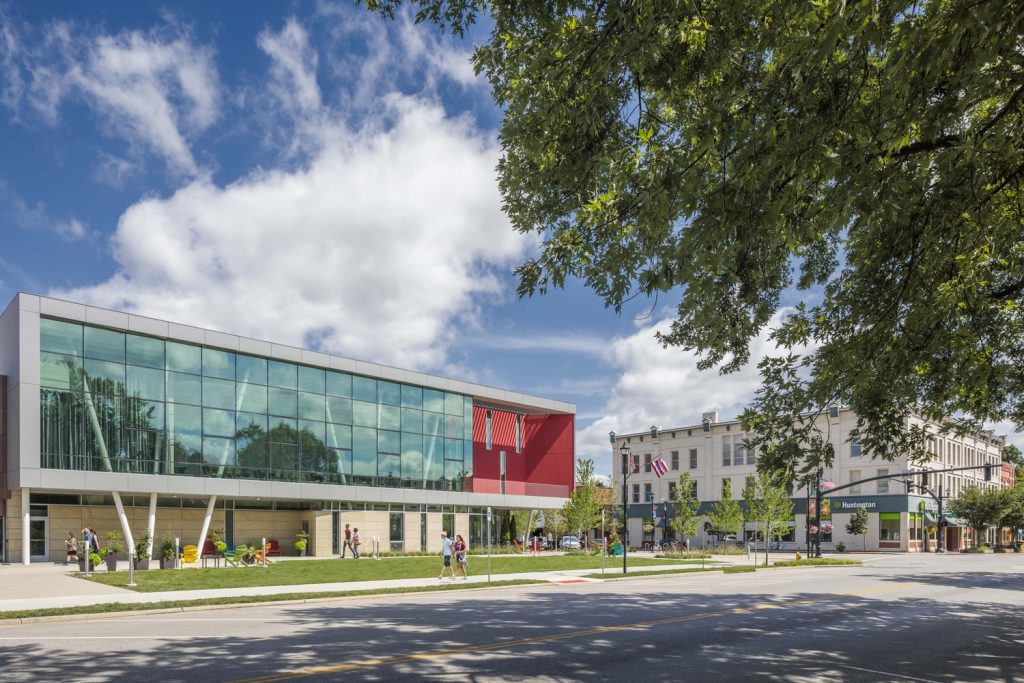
(446,553)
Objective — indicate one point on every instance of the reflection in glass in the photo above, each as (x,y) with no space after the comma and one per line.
(311,406)
(389,393)
(218,393)
(339,384)
(311,380)
(412,397)
(412,420)
(182,388)
(364,414)
(184,358)
(339,410)
(146,383)
(104,344)
(104,377)
(364,451)
(60,371)
(338,436)
(60,337)
(433,400)
(217,363)
(282,374)
(251,397)
(364,389)
(251,369)
(390,418)
(283,402)
(145,351)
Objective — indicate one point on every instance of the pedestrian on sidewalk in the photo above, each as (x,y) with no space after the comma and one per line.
(72,545)
(461,559)
(446,555)
(348,542)
(355,543)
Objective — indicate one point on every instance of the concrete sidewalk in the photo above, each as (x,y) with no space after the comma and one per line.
(44,586)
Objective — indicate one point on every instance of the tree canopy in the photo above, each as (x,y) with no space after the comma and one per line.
(769,507)
(980,508)
(725,516)
(857,160)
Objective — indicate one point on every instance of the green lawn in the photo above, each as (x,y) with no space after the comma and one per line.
(330,571)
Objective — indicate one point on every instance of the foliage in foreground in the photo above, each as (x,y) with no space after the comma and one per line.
(728,151)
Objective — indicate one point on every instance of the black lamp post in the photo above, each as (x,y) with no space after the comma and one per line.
(624,451)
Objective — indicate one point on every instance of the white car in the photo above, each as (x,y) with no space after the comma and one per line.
(570,543)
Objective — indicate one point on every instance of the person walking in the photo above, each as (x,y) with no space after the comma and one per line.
(355,543)
(446,554)
(461,561)
(72,545)
(348,542)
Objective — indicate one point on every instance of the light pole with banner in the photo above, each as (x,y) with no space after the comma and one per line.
(626,462)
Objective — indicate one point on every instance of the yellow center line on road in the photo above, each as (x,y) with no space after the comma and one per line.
(504,644)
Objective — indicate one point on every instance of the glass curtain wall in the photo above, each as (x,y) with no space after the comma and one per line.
(120,402)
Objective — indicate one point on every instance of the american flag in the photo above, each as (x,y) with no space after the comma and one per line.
(825,485)
(659,467)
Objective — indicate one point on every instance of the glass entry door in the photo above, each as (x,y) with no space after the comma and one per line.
(39,539)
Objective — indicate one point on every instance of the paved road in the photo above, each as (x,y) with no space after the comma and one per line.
(898,618)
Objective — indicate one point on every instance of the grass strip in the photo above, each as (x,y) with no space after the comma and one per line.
(814,562)
(613,576)
(245,600)
(294,573)
(739,570)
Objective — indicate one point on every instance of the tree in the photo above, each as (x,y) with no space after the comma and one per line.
(981,508)
(1012,455)
(864,154)
(583,509)
(685,506)
(725,516)
(858,525)
(1013,516)
(769,506)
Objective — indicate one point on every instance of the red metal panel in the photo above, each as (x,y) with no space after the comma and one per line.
(543,468)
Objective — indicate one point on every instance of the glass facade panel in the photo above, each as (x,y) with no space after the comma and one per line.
(218,393)
(339,410)
(146,383)
(251,369)
(364,389)
(182,388)
(183,409)
(412,397)
(433,400)
(58,336)
(312,380)
(145,351)
(218,363)
(104,344)
(184,358)
(390,417)
(251,397)
(283,402)
(311,406)
(339,384)
(284,375)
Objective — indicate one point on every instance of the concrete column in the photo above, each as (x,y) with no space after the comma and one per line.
(125,528)
(206,523)
(26,515)
(151,527)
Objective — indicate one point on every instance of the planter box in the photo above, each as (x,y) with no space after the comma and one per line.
(111,561)
(142,564)
(167,563)
(81,565)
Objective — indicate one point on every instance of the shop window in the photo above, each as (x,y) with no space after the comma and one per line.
(889,526)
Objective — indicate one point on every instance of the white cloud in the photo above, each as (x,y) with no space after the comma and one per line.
(37,217)
(375,250)
(155,90)
(662,386)
(293,72)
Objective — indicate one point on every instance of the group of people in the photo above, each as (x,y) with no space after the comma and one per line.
(458,549)
(90,543)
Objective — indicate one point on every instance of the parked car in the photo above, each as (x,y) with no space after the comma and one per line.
(570,543)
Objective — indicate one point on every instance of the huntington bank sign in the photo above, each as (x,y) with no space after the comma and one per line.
(841,505)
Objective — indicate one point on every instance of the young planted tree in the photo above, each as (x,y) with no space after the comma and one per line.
(858,525)
(981,508)
(1013,516)
(725,516)
(685,506)
(583,509)
(768,506)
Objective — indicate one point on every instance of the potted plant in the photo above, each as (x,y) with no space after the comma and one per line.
(167,551)
(142,552)
(95,559)
(300,542)
(92,562)
(115,545)
(220,546)
(841,547)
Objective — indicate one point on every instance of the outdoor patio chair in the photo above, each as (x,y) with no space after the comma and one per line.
(189,554)
(273,547)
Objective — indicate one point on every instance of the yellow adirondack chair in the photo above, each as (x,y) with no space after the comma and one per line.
(189,554)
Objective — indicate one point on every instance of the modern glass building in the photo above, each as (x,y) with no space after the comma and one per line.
(117,421)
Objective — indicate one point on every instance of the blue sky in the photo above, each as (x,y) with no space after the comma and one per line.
(311,174)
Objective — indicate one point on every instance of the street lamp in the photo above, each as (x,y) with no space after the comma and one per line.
(624,451)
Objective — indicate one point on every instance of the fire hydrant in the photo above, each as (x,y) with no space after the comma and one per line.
(798,558)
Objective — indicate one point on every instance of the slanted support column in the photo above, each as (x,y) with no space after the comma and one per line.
(26,527)
(206,523)
(151,526)
(125,529)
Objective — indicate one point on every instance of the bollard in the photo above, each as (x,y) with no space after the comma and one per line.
(263,550)
(131,569)
(177,554)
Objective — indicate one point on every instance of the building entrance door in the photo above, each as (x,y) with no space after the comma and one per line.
(39,539)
